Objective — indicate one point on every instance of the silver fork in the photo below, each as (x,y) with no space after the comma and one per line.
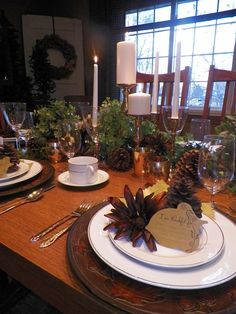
(84,206)
(50,240)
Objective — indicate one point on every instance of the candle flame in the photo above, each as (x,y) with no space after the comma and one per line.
(96,59)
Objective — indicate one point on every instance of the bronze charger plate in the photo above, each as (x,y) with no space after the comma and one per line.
(45,175)
(135,297)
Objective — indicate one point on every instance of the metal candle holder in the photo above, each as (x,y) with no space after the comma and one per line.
(126,91)
(95,139)
(174,127)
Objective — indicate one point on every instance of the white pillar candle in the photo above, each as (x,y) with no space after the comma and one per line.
(126,63)
(95,92)
(175,101)
(139,104)
(155,85)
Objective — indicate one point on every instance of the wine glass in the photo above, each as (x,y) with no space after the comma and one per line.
(26,128)
(69,138)
(216,163)
(174,126)
(14,114)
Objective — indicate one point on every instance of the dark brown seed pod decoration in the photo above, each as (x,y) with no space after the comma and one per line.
(130,219)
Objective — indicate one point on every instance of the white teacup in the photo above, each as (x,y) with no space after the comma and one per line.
(83,169)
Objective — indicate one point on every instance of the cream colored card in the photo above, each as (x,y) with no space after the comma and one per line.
(4,165)
(177,228)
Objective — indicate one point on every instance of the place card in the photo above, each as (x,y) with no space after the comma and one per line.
(177,228)
(4,165)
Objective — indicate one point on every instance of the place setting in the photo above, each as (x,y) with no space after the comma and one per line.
(197,252)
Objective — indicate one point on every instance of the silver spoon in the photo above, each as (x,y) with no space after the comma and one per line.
(34,196)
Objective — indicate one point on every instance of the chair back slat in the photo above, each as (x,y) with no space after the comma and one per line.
(219,75)
(166,83)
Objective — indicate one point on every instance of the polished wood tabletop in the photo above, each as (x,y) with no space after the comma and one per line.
(47,271)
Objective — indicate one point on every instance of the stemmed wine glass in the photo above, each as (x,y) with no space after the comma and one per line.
(14,114)
(216,163)
(174,126)
(26,128)
(69,138)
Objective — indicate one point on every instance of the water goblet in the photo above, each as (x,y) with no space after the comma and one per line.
(14,114)
(69,138)
(173,126)
(216,163)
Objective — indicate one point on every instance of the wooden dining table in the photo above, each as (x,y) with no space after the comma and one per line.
(48,272)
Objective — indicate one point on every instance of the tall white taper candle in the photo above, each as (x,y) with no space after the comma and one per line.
(155,85)
(95,92)
(175,101)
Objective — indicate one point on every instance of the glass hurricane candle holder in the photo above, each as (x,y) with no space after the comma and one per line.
(173,126)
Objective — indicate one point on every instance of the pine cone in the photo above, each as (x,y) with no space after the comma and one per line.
(120,159)
(182,190)
(7,132)
(10,151)
(187,166)
(157,143)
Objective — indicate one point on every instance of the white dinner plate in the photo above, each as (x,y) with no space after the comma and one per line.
(207,275)
(34,169)
(210,246)
(22,169)
(64,178)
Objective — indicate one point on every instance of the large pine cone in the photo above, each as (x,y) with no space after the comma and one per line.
(7,132)
(187,166)
(157,143)
(182,190)
(120,159)
(10,151)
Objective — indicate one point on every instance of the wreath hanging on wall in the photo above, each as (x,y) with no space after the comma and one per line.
(57,43)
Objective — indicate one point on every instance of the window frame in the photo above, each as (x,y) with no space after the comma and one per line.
(172,23)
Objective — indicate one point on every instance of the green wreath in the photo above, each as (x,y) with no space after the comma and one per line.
(67,50)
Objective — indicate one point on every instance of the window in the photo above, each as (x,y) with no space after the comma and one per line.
(206,29)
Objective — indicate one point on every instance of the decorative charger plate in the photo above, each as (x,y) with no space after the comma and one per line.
(207,275)
(123,293)
(210,247)
(22,169)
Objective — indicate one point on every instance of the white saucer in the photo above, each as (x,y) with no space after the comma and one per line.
(64,178)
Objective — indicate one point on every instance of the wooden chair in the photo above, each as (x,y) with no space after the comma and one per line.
(217,75)
(166,84)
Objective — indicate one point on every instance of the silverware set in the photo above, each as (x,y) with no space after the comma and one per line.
(36,195)
(32,197)
(83,207)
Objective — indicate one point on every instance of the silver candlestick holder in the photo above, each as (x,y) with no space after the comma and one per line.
(95,139)
(126,88)
(173,126)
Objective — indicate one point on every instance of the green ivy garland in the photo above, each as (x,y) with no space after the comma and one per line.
(67,50)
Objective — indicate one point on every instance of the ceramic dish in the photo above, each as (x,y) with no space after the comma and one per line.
(34,169)
(64,178)
(210,274)
(210,246)
(22,169)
